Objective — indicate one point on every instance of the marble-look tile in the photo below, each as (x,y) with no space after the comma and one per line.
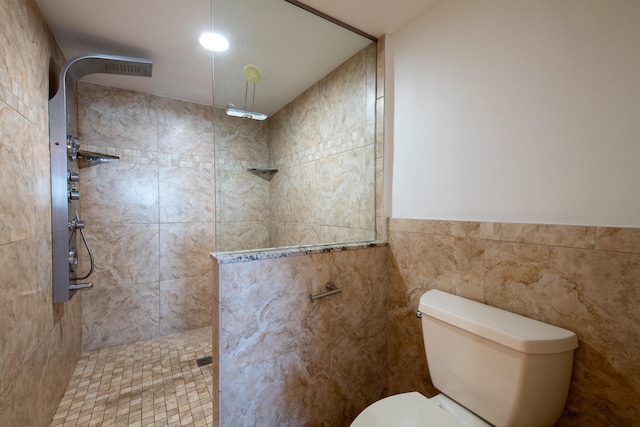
(21,308)
(382,231)
(425,262)
(379,128)
(345,199)
(358,368)
(32,340)
(595,294)
(307,122)
(17,176)
(41,381)
(371,68)
(215,334)
(63,347)
(240,139)
(304,198)
(293,389)
(328,234)
(185,249)
(444,228)
(379,188)
(26,51)
(381,49)
(243,235)
(513,270)
(184,127)
(320,377)
(280,134)
(124,253)
(265,309)
(371,191)
(311,142)
(19,398)
(302,135)
(618,239)
(43,273)
(245,196)
(117,193)
(408,369)
(215,283)
(293,233)
(359,328)
(186,194)
(344,95)
(544,234)
(361,310)
(42,184)
(185,304)
(281,188)
(119,313)
(113,117)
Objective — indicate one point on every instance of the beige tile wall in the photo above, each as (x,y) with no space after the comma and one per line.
(289,362)
(39,341)
(243,198)
(150,217)
(323,144)
(586,279)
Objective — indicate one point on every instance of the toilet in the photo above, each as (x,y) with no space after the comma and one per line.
(493,367)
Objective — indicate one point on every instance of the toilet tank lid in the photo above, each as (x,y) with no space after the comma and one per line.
(503,327)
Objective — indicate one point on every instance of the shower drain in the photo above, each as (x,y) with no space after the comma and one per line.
(204,361)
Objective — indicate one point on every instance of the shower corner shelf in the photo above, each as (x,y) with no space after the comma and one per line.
(264,173)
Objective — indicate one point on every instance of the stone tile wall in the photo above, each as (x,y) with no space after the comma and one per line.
(150,217)
(286,361)
(39,341)
(585,279)
(242,197)
(323,144)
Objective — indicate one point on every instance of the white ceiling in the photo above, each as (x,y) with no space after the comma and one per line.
(293,48)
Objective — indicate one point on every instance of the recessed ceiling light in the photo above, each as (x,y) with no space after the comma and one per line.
(214,42)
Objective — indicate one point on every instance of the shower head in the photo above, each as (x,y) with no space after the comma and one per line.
(94,63)
(252,74)
(234,111)
(80,66)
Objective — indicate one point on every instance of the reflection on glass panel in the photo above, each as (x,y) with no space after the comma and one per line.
(306,174)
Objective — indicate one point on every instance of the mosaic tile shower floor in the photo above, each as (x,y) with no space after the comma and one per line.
(149,383)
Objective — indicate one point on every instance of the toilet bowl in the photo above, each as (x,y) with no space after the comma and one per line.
(492,366)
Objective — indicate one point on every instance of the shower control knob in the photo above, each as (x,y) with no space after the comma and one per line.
(76,224)
(73,176)
(74,195)
(73,257)
(73,144)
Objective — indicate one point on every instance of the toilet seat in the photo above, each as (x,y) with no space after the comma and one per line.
(405,410)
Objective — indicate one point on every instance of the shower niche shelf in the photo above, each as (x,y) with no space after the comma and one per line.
(264,173)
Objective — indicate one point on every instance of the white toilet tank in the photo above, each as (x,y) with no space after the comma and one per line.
(508,369)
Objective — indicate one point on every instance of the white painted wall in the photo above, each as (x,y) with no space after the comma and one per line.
(519,111)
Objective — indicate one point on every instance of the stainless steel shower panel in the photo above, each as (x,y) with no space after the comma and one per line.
(64,145)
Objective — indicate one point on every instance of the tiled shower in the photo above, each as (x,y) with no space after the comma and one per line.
(590,273)
(150,216)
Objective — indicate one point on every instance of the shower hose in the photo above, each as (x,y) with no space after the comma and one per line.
(86,245)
